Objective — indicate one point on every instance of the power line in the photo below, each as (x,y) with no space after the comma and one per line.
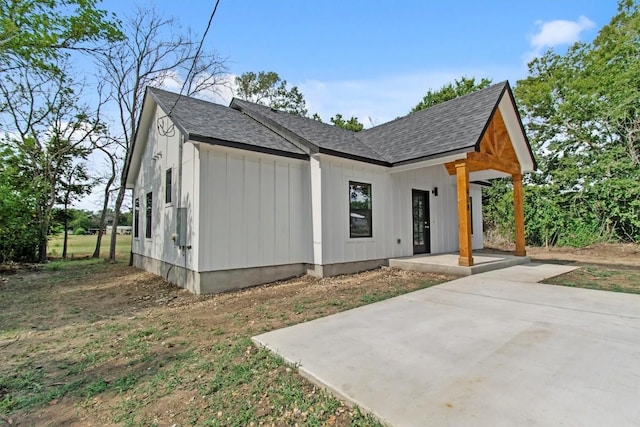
(195,58)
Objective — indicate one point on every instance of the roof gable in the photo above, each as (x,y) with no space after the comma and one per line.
(496,141)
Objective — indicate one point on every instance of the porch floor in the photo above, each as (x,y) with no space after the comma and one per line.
(448,263)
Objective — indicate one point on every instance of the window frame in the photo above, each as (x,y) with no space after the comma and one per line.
(148,214)
(368,213)
(471,213)
(168,184)
(136,218)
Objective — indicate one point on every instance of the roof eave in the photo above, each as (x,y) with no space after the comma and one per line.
(493,112)
(248,147)
(353,157)
(435,156)
(526,138)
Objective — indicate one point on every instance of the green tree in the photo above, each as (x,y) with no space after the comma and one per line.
(582,114)
(352,124)
(81,219)
(39,34)
(45,128)
(74,184)
(267,88)
(50,132)
(450,91)
(19,236)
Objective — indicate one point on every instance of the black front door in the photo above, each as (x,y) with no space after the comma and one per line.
(421,231)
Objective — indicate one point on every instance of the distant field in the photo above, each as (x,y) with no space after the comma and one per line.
(82,246)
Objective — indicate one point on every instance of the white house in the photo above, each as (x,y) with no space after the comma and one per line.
(228,197)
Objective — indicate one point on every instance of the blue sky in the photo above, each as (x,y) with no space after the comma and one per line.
(376,59)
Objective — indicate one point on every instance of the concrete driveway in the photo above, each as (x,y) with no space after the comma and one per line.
(494,349)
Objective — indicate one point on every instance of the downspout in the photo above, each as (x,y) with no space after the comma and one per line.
(182,247)
(179,201)
(177,237)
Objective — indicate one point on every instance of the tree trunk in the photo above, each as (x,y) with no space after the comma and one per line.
(101,226)
(44,235)
(103,216)
(66,228)
(42,246)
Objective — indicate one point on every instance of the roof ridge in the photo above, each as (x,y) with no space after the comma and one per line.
(440,105)
(272,125)
(311,120)
(180,96)
(260,110)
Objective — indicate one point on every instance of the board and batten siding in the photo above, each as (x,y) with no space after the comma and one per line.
(255,210)
(443,210)
(337,246)
(161,153)
(477,238)
(391,210)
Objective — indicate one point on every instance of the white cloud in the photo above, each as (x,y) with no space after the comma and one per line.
(556,33)
(559,32)
(222,93)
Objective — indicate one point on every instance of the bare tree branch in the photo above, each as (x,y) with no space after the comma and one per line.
(153,53)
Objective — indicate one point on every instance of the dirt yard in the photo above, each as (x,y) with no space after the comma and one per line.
(601,253)
(606,254)
(88,343)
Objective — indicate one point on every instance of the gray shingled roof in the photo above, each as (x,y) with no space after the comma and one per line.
(204,121)
(322,135)
(450,127)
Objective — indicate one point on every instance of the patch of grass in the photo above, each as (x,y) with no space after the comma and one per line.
(10,334)
(82,246)
(96,387)
(372,297)
(54,266)
(72,264)
(397,290)
(271,389)
(27,389)
(605,278)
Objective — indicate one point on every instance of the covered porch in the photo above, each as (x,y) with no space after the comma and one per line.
(448,263)
(500,152)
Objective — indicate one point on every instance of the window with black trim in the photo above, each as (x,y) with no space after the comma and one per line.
(167,186)
(136,218)
(148,210)
(360,224)
(471,213)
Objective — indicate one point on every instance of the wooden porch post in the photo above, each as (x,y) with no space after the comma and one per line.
(518,211)
(464,215)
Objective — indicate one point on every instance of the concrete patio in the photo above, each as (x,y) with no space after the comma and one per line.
(489,349)
(448,263)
